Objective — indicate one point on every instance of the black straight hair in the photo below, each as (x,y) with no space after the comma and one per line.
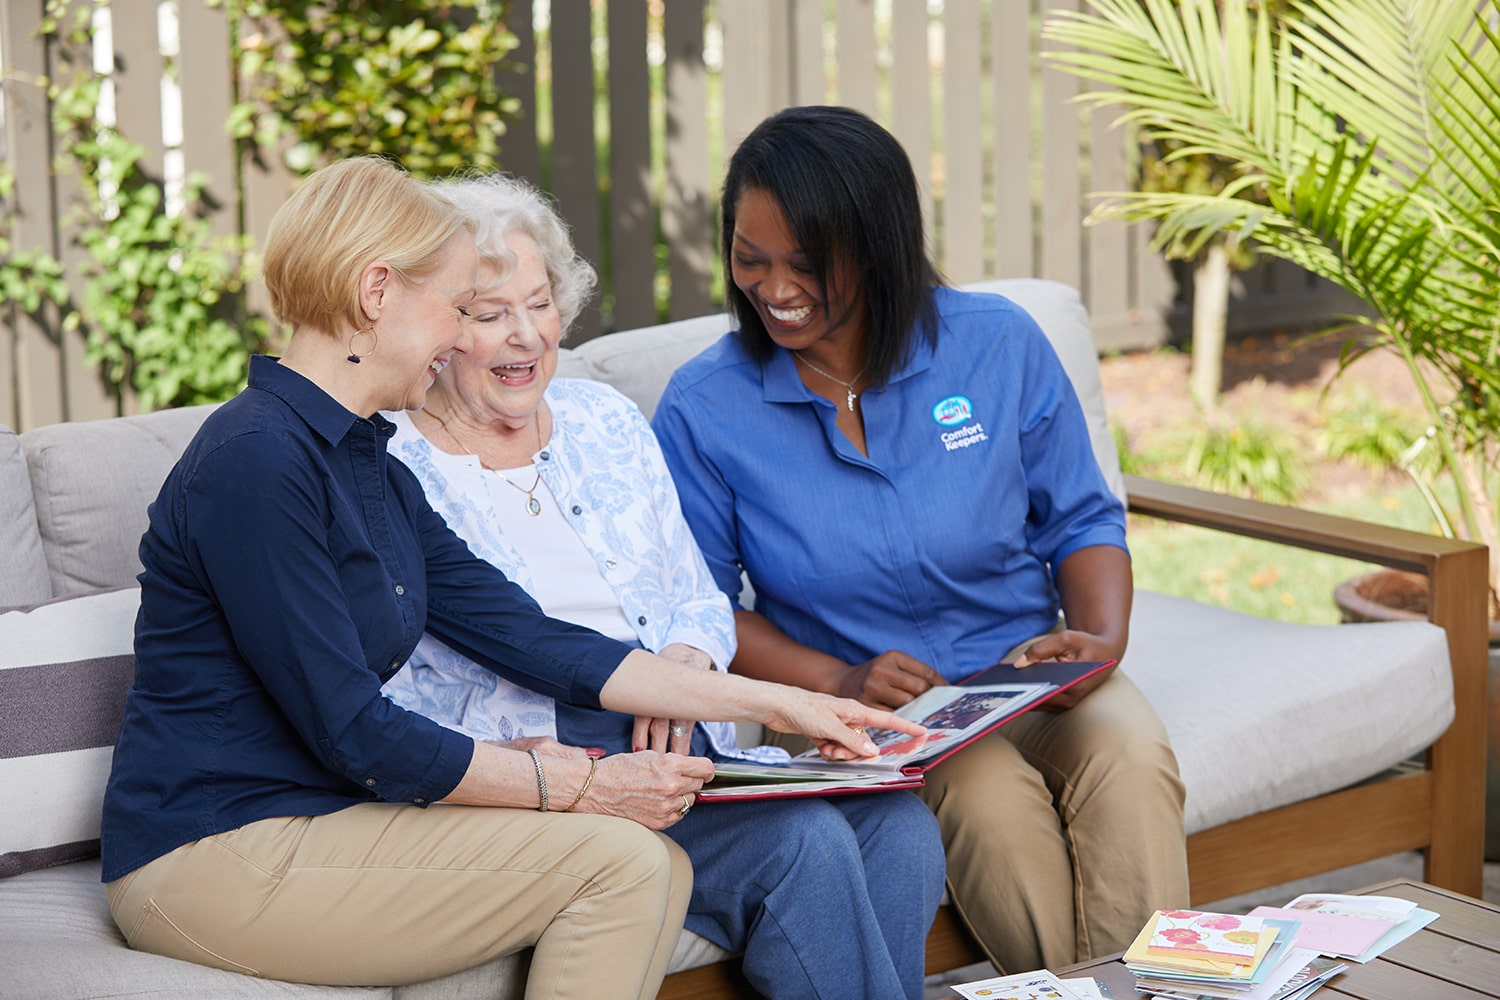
(846,188)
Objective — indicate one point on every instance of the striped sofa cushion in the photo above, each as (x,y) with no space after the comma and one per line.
(64,669)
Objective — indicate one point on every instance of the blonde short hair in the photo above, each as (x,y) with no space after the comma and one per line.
(338,221)
(498,205)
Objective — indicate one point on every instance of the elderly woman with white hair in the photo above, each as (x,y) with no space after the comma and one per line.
(560,483)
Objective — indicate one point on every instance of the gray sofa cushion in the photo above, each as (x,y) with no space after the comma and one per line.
(89,480)
(64,669)
(24,579)
(61,942)
(1282,712)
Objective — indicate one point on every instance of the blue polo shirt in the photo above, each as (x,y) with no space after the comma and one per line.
(290,567)
(980,478)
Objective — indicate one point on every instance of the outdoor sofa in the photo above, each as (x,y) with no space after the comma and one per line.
(1302,747)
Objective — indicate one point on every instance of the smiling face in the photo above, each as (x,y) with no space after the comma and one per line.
(770,268)
(421,326)
(516,329)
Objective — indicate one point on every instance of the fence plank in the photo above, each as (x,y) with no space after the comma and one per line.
(85,395)
(756,65)
(1062,211)
(1107,272)
(854,22)
(687,209)
(809,62)
(31,388)
(207,147)
(632,209)
(519,152)
(574,151)
(138,79)
(1011,83)
(911,99)
(963,174)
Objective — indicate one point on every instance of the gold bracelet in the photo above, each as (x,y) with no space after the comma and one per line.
(593,766)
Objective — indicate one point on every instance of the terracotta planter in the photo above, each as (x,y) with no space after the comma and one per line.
(1395,595)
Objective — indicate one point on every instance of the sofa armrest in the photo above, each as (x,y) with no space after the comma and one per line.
(1458,598)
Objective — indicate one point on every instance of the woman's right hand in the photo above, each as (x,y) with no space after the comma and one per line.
(654,789)
(836,726)
(888,681)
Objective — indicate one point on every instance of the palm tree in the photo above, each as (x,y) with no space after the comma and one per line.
(1368,133)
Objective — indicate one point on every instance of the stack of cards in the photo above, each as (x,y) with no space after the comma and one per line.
(1193,953)
(1030,986)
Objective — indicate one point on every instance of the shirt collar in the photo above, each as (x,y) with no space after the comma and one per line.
(781,382)
(324,414)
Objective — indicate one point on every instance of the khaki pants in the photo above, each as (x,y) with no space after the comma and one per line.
(387,894)
(1064,830)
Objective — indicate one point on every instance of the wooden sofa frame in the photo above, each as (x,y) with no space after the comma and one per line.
(1439,809)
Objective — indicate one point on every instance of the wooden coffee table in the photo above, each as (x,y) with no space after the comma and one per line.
(1456,957)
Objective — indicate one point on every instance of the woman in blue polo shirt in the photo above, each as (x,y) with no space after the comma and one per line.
(904,473)
(267,808)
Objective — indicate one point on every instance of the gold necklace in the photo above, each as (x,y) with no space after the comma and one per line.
(851,395)
(533,505)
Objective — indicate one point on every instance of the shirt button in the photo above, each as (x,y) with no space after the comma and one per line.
(370,782)
(577,509)
(395,664)
(400,590)
(419,801)
(609,564)
(544,455)
(641,620)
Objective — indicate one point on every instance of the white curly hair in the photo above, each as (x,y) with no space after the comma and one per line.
(500,205)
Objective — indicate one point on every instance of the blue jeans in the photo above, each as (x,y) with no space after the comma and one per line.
(827,898)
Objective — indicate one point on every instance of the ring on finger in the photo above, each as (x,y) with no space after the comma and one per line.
(858,730)
(681,731)
(687,804)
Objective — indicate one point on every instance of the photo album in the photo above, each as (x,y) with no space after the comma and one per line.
(954,715)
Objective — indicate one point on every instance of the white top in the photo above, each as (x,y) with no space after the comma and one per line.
(603,478)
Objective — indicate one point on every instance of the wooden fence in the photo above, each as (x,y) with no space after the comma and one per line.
(1007,161)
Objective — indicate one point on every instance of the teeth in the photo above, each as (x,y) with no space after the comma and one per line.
(437,366)
(789,315)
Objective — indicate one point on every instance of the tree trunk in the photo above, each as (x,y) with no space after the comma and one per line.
(1210,312)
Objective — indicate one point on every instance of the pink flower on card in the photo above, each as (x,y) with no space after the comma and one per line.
(1180,914)
(1181,936)
(1219,922)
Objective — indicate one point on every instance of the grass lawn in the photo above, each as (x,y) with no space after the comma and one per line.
(1256,577)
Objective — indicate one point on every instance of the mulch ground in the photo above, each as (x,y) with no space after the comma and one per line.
(1278,380)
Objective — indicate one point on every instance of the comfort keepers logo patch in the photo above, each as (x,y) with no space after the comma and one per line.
(952,412)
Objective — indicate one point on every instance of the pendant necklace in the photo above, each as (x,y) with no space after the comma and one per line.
(533,505)
(850,394)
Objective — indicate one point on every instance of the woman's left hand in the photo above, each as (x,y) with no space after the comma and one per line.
(671,735)
(1070,645)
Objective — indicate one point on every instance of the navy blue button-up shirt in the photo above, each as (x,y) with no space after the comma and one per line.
(290,568)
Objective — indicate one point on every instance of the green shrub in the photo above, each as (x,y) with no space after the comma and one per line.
(1365,431)
(1244,458)
(409,79)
